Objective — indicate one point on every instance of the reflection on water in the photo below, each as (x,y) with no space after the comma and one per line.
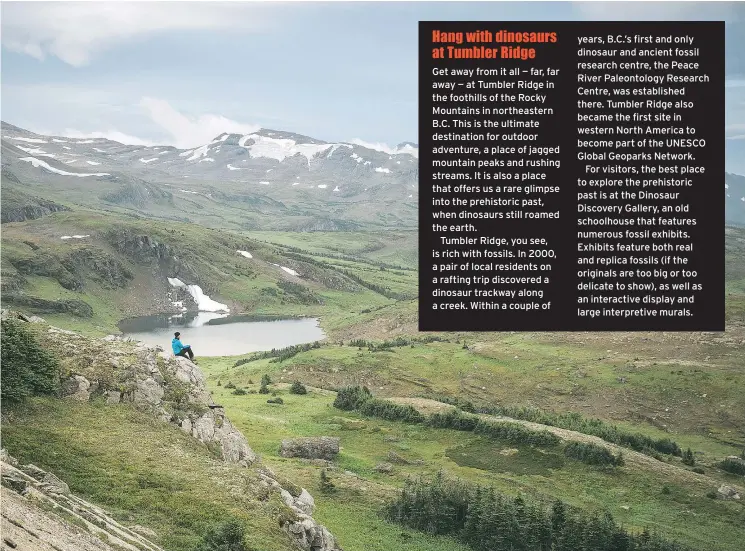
(216,334)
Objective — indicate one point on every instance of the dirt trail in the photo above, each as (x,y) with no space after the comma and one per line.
(631,457)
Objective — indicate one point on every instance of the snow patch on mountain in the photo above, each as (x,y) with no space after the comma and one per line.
(92,163)
(196,153)
(207,159)
(245,253)
(38,163)
(143,160)
(404,148)
(322,186)
(383,170)
(286,269)
(30,140)
(204,302)
(35,151)
(280,148)
(231,167)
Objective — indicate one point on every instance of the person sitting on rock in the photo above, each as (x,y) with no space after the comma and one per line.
(180,349)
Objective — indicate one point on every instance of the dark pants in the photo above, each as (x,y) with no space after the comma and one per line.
(186,353)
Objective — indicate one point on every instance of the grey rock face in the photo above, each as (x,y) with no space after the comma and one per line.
(77,387)
(31,493)
(148,392)
(305,502)
(384,468)
(727,492)
(314,447)
(309,535)
(172,388)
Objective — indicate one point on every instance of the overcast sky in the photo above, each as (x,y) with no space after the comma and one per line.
(181,73)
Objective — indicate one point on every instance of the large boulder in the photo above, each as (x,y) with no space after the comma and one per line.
(727,492)
(148,391)
(312,447)
(31,498)
(213,426)
(309,535)
(77,387)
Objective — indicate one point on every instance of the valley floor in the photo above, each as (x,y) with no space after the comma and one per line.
(664,496)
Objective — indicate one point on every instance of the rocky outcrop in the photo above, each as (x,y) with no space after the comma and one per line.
(299,523)
(137,193)
(18,206)
(314,447)
(74,307)
(727,492)
(121,370)
(40,514)
(173,389)
(91,263)
(30,212)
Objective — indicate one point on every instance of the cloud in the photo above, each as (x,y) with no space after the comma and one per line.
(113,135)
(191,132)
(75,31)
(659,11)
(736,137)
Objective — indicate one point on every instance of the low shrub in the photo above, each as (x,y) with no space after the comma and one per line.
(516,434)
(592,454)
(227,536)
(298,388)
(28,369)
(390,411)
(351,397)
(734,466)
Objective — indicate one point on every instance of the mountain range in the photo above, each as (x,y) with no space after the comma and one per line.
(269,179)
(303,183)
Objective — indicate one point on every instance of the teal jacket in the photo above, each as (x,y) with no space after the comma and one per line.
(178,346)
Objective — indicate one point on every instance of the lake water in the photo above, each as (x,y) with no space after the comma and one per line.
(212,334)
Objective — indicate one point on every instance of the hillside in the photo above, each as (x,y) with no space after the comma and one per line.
(189,440)
(128,424)
(379,454)
(734,203)
(94,269)
(276,225)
